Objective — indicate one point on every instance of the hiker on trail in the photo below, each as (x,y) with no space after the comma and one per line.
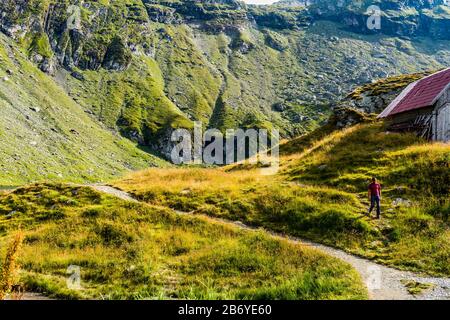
(375,197)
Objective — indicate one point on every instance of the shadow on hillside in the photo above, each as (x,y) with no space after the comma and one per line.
(7,188)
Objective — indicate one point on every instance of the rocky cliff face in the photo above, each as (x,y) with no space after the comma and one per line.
(367,101)
(146,67)
(69,35)
(398,17)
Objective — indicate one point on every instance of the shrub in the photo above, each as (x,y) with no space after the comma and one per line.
(417,221)
(10,266)
(439,210)
(56,214)
(114,235)
(91,213)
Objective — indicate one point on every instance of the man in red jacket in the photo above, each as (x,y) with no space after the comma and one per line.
(375,197)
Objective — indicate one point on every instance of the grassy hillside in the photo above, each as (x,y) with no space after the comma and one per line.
(136,251)
(46,135)
(252,78)
(409,169)
(348,159)
(320,194)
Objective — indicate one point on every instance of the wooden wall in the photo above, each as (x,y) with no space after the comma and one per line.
(441,118)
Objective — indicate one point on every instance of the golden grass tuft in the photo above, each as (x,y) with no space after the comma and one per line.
(10,266)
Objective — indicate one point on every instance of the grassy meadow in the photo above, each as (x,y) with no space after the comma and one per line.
(145,250)
(321,194)
(137,251)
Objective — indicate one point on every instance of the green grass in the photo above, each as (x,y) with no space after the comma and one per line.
(413,237)
(416,288)
(321,194)
(132,102)
(348,159)
(136,251)
(317,213)
(180,73)
(387,85)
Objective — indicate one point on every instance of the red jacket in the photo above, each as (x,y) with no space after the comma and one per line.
(375,189)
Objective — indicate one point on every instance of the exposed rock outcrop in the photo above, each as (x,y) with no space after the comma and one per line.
(367,101)
(397,17)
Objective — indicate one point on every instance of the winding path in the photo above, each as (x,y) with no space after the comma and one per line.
(383,283)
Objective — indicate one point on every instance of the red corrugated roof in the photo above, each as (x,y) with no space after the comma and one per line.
(423,93)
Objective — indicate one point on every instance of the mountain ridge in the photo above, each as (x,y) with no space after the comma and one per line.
(160,65)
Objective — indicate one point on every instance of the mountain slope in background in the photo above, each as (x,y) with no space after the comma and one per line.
(144,68)
(46,135)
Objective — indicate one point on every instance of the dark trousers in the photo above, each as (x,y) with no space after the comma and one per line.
(375,200)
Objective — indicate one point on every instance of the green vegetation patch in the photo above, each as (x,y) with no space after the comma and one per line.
(387,85)
(416,288)
(415,177)
(43,131)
